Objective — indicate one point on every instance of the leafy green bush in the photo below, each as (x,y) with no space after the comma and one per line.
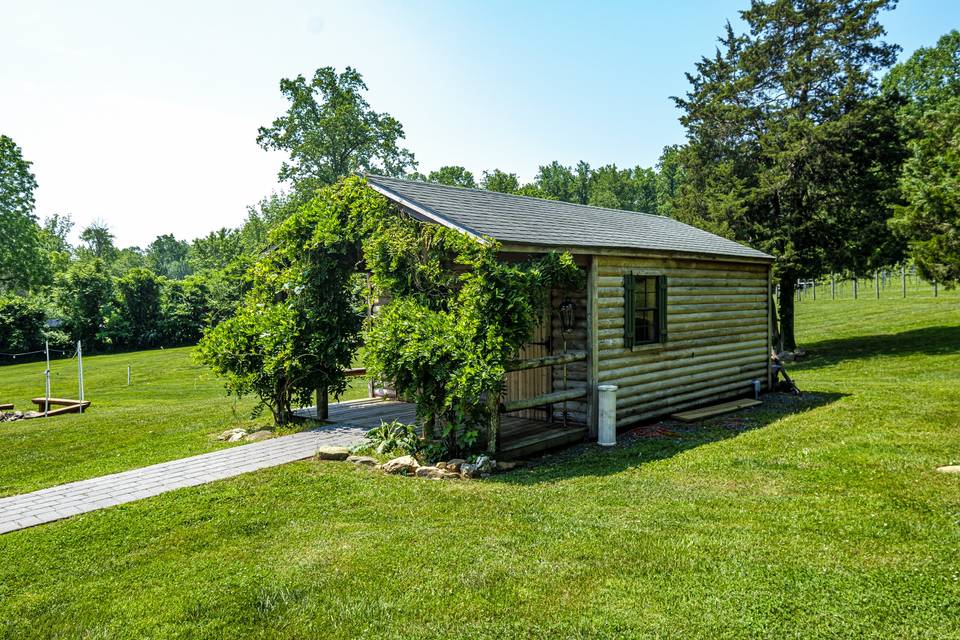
(84,293)
(394,437)
(22,323)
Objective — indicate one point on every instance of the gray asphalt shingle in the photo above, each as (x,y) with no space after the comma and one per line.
(533,221)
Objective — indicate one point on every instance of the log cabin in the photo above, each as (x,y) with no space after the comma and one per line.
(673,316)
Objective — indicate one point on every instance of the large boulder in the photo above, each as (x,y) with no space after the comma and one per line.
(430,472)
(404,464)
(333,453)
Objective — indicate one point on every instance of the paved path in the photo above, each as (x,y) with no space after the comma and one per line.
(47,505)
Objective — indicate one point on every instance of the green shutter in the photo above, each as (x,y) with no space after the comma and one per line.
(662,306)
(629,314)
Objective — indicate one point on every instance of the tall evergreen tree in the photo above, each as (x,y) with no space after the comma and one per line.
(775,122)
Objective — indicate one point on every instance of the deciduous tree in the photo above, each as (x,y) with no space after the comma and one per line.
(330,131)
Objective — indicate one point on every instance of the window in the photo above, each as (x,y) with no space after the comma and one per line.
(645,302)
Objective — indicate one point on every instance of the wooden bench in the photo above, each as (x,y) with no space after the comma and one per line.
(66,405)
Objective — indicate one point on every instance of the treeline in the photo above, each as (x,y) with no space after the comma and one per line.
(130,298)
(803,139)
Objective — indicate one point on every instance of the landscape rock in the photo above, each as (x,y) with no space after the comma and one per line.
(232,435)
(333,453)
(468,470)
(257,436)
(430,472)
(11,416)
(366,461)
(404,464)
(504,465)
(454,464)
(485,464)
(953,468)
(441,465)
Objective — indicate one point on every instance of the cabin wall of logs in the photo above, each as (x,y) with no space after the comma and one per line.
(717,334)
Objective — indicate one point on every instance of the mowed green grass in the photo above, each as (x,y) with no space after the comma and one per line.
(819,517)
(173,408)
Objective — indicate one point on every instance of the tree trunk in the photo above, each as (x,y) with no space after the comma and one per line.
(788,340)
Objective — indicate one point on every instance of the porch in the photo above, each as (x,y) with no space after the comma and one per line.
(519,437)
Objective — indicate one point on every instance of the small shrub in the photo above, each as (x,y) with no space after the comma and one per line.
(394,436)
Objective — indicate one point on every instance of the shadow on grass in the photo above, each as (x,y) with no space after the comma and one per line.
(925,341)
(660,440)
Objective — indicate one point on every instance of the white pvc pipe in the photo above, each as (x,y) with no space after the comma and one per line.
(607,428)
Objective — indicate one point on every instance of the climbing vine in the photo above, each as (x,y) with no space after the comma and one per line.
(453,313)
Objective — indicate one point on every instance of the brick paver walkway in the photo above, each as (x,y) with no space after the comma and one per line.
(47,505)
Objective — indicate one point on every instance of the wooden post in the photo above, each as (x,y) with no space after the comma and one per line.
(493,429)
(814,288)
(593,346)
(833,286)
(323,404)
(876,278)
(854,287)
(934,288)
(903,280)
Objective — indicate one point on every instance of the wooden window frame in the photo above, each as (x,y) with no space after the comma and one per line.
(630,309)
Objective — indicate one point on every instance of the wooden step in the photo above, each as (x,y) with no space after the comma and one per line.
(697,415)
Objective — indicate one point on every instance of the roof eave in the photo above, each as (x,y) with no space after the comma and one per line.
(424,211)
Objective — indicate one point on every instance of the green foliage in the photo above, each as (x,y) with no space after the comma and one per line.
(454,176)
(444,338)
(500,181)
(185,310)
(23,258)
(930,217)
(778,123)
(22,323)
(254,353)
(97,241)
(84,292)
(135,318)
(394,437)
(166,256)
(330,132)
(299,325)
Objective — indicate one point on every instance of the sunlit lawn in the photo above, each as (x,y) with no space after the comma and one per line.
(173,408)
(821,517)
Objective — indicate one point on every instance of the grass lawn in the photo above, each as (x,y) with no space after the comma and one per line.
(821,517)
(172,409)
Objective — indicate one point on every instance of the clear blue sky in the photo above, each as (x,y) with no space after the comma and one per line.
(144,115)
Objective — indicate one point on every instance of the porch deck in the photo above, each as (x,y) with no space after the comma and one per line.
(519,437)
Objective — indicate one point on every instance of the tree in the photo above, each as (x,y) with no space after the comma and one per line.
(500,181)
(54,233)
(299,325)
(97,241)
(84,292)
(23,259)
(669,179)
(557,181)
(21,325)
(930,217)
(764,119)
(167,256)
(135,318)
(454,176)
(330,131)
(216,250)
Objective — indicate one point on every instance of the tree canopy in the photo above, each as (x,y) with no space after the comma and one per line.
(23,260)
(777,122)
(929,81)
(330,131)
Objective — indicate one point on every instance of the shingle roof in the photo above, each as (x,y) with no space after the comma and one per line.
(534,221)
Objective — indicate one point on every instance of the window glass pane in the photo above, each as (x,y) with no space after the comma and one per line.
(646,315)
